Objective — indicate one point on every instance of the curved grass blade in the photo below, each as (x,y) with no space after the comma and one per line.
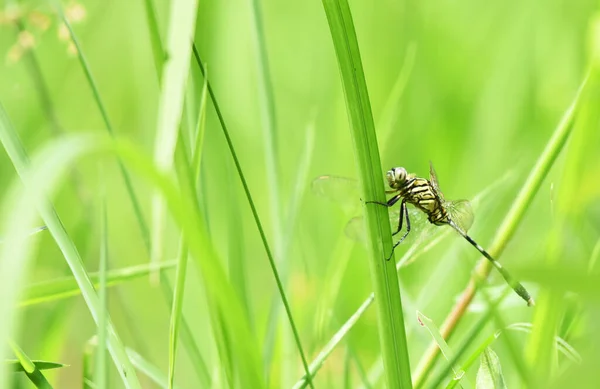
(489,375)
(61,288)
(40,365)
(100,371)
(182,21)
(335,340)
(186,333)
(255,215)
(562,345)
(40,179)
(392,333)
(177,308)
(149,370)
(507,228)
(30,369)
(459,374)
(107,123)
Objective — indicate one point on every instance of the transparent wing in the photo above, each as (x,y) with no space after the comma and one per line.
(461,213)
(434,182)
(341,190)
(355,229)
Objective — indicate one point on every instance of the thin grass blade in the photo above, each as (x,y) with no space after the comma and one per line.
(101,375)
(392,332)
(181,28)
(489,375)
(434,331)
(30,368)
(40,179)
(61,288)
(255,216)
(148,369)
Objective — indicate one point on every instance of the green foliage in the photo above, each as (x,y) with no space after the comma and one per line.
(484,90)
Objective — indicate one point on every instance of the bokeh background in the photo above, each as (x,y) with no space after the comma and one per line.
(476,87)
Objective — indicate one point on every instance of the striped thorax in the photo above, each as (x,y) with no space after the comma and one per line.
(418,192)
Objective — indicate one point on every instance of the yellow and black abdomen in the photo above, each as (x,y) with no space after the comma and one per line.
(419,193)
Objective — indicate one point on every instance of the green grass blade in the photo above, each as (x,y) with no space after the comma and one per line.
(189,342)
(541,350)
(392,333)
(100,370)
(489,375)
(88,363)
(255,216)
(335,340)
(64,287)
(186,333)
(291,219)
(182,23)
(40,179)
(158,53)
(269,125)
(507,228)
(434,331)
(389,113)
(107,123)
(16,365)
(30,369)
(149,370)
(177,309)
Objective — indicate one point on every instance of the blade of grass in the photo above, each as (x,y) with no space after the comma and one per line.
(335,340)
(506,230)
(176,312)
(31,370)
(63,154)
(158,54)
(181,28)
(490,374)
(291,218)
(186,333)
(541,352)
(177,309)
(40,179)
(109,128)
(61,288)
(100,370)
(444,348)
(88,363)
(269,125)
(392,333)
(40,365)
(255,215)
(149,370)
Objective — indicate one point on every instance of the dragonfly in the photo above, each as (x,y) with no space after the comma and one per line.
(426,199)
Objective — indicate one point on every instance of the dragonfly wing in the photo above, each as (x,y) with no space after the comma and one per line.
(434,182)
(461,213)
(341,190)
(355,228)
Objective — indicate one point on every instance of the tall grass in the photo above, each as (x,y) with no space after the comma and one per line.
(268,291)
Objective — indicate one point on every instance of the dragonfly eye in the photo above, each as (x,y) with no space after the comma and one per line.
(396,177)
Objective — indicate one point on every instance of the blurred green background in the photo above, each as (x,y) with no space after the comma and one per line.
(476,87)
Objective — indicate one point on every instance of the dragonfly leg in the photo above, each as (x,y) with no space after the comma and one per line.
(388,204)
(403,211)
(407,223)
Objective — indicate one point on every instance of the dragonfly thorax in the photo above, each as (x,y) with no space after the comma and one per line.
(396,177)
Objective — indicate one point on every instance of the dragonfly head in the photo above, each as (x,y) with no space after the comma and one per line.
(396,177)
